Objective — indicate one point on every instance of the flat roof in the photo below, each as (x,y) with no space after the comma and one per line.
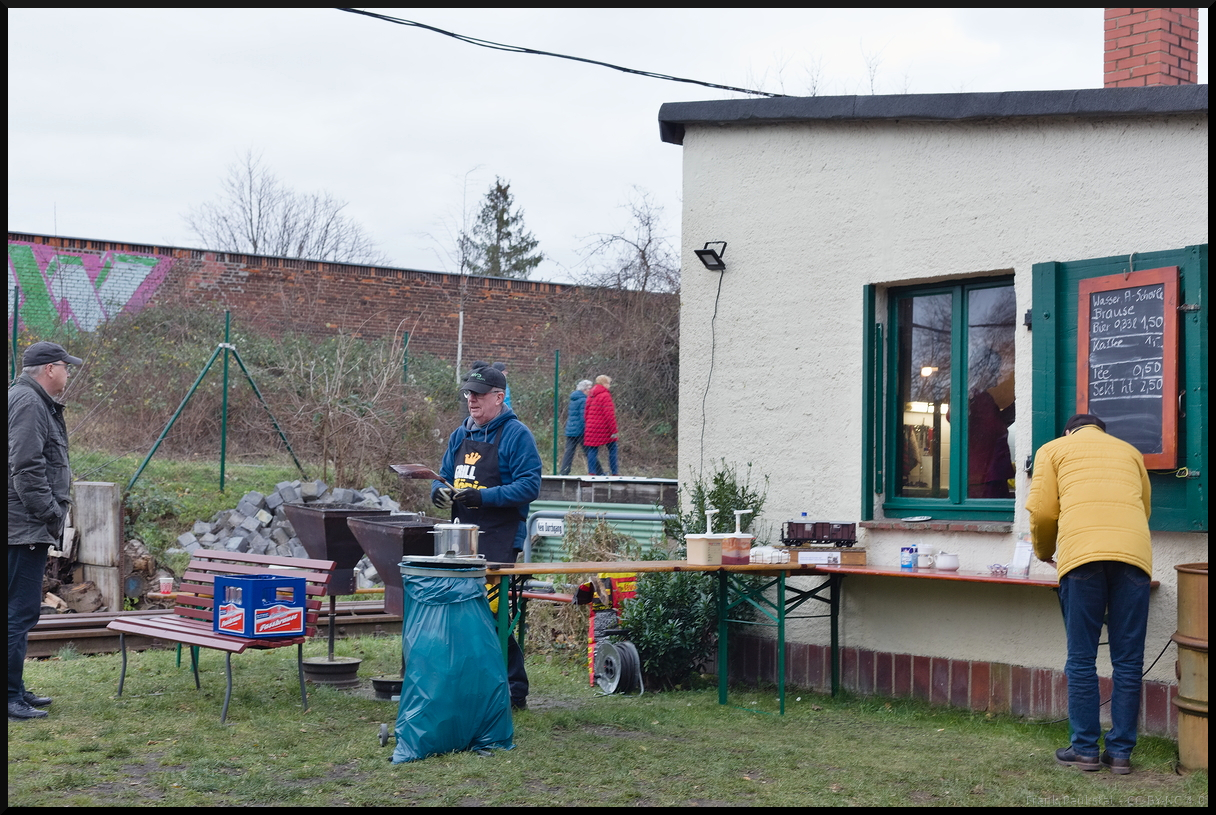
(1155,100)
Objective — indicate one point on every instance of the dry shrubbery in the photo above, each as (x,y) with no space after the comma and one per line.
(340,401)
(563,626)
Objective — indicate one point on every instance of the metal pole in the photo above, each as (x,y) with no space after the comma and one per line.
(224,407)
(557,364)
(12,365)
(405,366)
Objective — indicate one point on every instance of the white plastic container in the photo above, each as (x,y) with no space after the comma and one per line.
(705,550)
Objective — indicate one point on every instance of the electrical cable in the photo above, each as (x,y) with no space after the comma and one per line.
(1107,702)
(709,376)
(516,49)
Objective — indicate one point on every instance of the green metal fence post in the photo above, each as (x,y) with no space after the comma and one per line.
(557,364)
(12,346)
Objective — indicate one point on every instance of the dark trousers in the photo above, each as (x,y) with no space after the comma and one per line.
(26,565)
(572,444)
(1117,594)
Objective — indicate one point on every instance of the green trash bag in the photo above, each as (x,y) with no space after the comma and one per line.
(454,692)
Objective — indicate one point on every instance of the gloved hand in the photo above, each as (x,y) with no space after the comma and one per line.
(470,497)
(443,498)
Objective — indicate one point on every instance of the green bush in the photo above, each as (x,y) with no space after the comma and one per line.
(672,621)
(724,492)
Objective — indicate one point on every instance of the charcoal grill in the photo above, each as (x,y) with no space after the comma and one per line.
(386,541)
(323,530)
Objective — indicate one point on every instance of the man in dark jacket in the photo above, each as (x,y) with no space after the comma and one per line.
(493,463)
(39,481)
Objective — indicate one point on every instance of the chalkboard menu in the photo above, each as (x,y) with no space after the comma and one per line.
(1127,359)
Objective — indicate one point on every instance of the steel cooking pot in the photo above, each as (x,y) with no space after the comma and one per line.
(455,540)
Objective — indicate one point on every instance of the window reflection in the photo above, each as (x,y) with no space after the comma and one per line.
(990,406)
(924,392)
(955,340)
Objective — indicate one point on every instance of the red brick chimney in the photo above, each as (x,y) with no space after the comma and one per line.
(1151,46)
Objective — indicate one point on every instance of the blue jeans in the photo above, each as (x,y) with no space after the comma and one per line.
(1117,592)
(26,564)
(593,464)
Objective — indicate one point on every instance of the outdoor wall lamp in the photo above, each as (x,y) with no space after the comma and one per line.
(712,260)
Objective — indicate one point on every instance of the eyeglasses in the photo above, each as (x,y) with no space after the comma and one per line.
(474,395)
(66,367)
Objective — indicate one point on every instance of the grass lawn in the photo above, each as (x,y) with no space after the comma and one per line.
(161,744)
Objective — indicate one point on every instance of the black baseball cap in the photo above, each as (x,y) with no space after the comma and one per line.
(484,380)
(44,353)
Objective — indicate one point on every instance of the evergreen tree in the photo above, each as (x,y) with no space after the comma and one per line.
(499,245)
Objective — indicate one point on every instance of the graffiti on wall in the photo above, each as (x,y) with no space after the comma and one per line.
(60,287)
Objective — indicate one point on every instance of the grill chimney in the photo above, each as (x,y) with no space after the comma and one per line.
(1151,46)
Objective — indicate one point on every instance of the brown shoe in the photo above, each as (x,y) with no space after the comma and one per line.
(1118,766)
(1067,757)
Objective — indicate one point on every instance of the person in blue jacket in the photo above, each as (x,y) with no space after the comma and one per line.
(494,465)
(574,424)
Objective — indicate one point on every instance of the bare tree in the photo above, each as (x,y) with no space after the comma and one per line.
(257,214)
(625,320)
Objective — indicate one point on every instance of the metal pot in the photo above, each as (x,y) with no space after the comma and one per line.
(455,540)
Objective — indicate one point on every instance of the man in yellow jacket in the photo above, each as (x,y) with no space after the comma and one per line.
(1089,506)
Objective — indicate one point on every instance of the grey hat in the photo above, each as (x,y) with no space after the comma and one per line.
(484,380)
(44,353)
(1082,419)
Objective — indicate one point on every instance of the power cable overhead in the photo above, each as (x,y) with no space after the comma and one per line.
(517,49)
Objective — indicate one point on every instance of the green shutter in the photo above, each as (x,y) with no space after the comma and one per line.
(1179,504)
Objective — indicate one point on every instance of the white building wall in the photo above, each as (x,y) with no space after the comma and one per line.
(771,363)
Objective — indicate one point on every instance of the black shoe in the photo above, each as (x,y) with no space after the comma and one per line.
(1118,766)
(1068,757)
(20,710)
(519,704)
(33,700)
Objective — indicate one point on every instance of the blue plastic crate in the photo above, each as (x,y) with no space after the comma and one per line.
(260,605)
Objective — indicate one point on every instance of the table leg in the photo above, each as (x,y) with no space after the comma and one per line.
(723,649)
(836,581)
(503,617)
(781,641)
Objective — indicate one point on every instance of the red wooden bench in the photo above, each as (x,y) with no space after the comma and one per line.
(190,622)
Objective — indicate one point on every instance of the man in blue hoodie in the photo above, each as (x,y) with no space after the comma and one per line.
(495,467)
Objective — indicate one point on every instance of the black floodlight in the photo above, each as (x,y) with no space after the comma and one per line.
(712,259)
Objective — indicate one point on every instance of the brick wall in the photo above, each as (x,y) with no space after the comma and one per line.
(1151,46)
(1036,693)
(85,282)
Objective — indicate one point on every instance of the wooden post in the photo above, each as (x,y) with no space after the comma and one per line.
(98,518)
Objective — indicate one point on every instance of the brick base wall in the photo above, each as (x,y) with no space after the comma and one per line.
(1036,693)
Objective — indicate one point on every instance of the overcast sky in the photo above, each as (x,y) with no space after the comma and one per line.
(121,120)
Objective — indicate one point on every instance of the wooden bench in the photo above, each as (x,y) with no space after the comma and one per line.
(190,622)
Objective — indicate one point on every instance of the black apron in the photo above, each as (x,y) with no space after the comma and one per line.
(477,467)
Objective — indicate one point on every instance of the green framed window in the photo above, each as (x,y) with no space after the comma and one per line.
(949,401)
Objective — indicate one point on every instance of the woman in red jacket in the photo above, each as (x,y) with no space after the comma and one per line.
(600,426)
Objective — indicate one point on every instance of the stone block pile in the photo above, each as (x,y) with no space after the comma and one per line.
(259,525)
